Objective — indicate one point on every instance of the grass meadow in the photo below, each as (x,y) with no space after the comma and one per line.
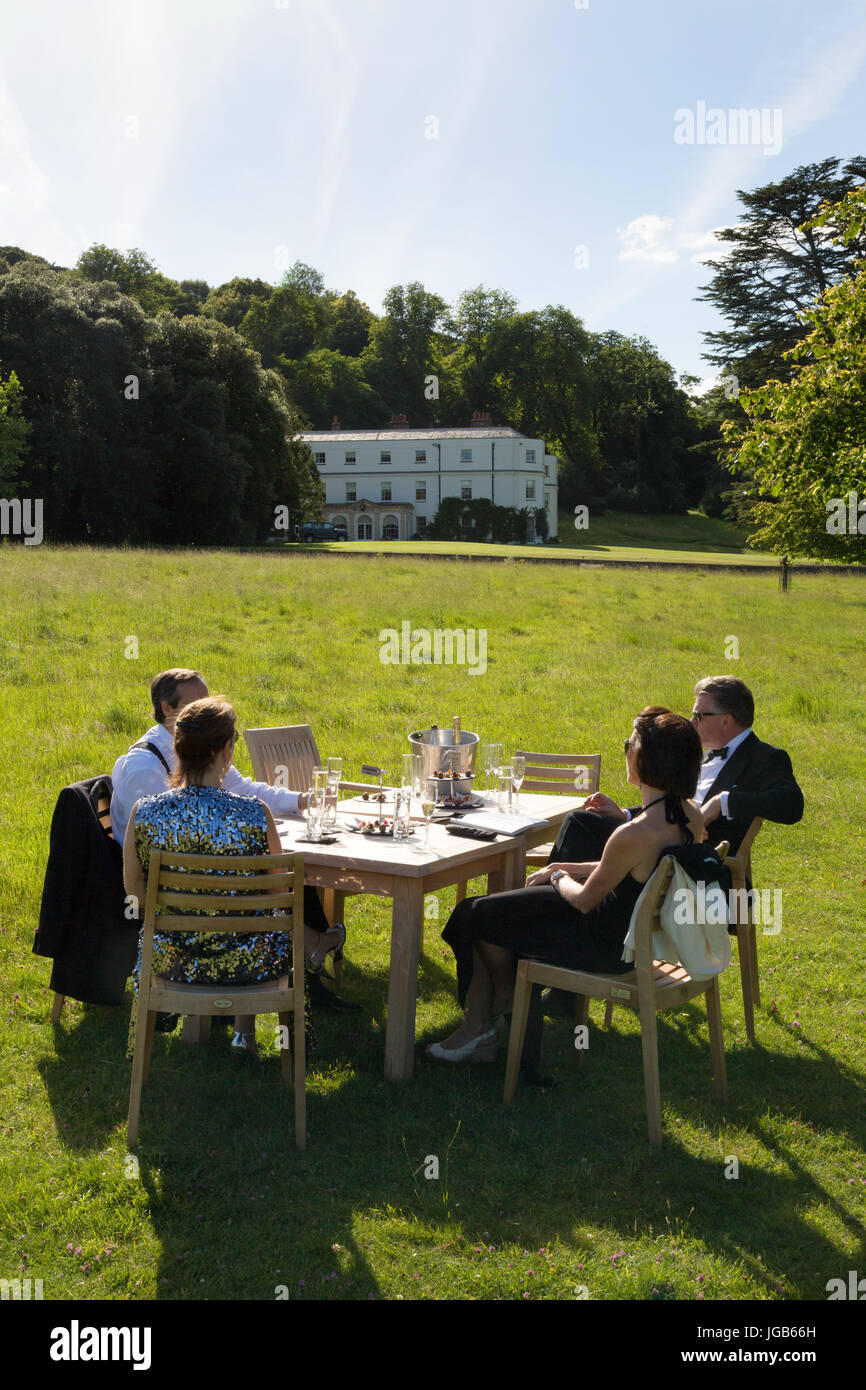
(533,1203)
(690,539)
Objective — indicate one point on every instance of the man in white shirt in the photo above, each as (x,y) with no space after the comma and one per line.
(145,771)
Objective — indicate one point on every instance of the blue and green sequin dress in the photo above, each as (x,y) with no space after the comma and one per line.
(206,820)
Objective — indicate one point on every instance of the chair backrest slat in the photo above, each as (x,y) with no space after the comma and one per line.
(241,907)
(562,773)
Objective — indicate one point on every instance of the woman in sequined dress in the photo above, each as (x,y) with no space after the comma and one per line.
(196,817)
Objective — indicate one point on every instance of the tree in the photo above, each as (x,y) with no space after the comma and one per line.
(197,289)
(480,324)
(283,325)
(404,351)
(231,301)
(324,384)
(777,269)
(805,439)
(348,324)
(304,279)
(144,430)
(646,426)
(14,430)
(546,389)
(136,274)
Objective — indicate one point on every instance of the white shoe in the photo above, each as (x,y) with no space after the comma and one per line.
(480,1049)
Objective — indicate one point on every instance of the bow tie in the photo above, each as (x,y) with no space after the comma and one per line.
(715,753)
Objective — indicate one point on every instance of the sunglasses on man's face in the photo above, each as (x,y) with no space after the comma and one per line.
(699,714)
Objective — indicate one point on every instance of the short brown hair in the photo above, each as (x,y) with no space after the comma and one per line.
(203,728)
(732,696)
(668,752)
(164,687)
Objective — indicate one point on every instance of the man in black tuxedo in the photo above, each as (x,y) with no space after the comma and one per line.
(741,777)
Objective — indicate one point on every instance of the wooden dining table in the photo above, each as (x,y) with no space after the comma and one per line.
(406,871)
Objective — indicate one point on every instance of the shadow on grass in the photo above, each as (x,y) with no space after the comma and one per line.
(240,1214)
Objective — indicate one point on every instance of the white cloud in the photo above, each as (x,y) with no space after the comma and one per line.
(653,239)
(644,239)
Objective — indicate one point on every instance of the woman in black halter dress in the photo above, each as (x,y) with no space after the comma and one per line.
(580,918)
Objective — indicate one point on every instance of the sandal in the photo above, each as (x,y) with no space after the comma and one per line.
(315,965)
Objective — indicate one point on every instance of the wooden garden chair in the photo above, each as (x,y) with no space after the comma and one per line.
(283,757)
(740,865)
(652,985)
(170,879)
(563,773)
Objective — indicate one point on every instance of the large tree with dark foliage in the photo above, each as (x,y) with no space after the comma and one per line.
(777,269)
(804,441)
(146,430)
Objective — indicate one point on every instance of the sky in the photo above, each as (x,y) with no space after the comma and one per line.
(555,149)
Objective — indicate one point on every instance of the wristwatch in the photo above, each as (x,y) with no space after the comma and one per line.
(556,876)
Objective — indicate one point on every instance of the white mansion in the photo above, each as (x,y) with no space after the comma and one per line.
(387,484)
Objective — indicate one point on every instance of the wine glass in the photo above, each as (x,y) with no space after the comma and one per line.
(428,805)
(518,772)
(502,779)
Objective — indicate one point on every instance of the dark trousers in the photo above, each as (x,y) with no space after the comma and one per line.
(582,838)
(314,913)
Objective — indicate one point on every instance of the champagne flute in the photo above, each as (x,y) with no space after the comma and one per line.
(518,772)
(428,806)
(313,814)
(332,792)
(492,759)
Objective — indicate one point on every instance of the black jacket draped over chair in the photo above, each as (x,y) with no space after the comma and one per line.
(81,921)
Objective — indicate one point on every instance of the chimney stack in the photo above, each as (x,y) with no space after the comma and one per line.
(335,423)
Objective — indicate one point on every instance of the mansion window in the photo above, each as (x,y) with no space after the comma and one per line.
(390,529)
(466,490)
(320,459)
(420,455)
(386,492)
(350,455)
(465,455)
(385,456)
(530,490)
(351,495)
(420,492)
(420,524)
(530,456)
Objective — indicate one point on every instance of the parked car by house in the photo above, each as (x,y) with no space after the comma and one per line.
(323,531)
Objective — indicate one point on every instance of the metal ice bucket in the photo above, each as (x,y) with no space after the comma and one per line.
(439,753)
